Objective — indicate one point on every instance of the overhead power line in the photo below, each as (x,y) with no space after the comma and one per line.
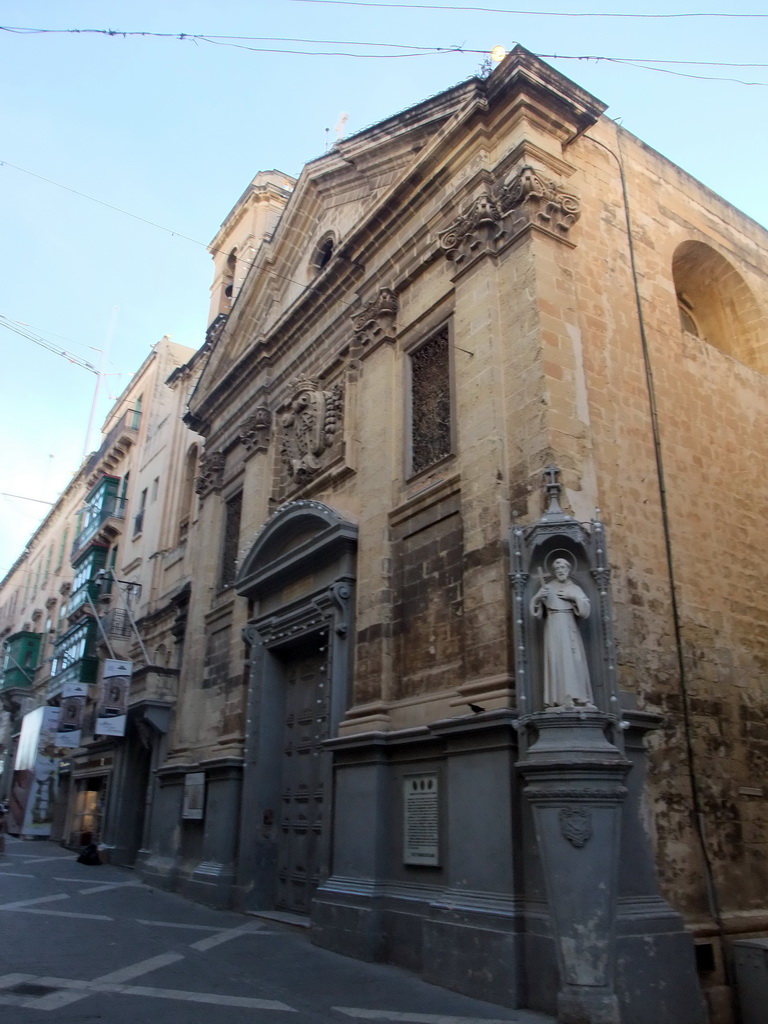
(531,14)
(409,50)
(25,497)
(19,328)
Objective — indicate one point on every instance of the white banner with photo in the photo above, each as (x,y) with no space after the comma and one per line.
(33,788)
(73,698)
(112,705)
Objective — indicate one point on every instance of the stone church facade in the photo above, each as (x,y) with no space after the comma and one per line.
(475,324)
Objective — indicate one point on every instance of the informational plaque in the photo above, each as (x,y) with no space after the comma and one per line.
(194,796)
(420,827)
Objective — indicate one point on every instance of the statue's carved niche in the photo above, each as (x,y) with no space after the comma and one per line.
(309,427)
(376,321)
(255,430)
(211,476)
(561,606)
(504,210)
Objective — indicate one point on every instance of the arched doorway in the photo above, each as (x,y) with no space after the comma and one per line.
(299,580)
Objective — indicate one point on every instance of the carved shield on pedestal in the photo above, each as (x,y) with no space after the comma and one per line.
(576,826)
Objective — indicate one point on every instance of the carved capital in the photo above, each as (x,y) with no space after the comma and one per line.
(376,321)
(309,427)
(496,216)
(477,231)
(250,635)
(211,473)
(529,197)
(255,430)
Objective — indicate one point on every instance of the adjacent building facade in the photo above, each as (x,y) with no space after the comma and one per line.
(483,395)
(101,583)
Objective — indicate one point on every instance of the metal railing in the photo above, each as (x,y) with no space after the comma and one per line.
(117,624)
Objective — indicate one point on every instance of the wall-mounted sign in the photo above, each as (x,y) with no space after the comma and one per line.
(112,707)
(194,796)
(421,820)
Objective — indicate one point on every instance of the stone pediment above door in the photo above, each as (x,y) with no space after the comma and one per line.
(300,540)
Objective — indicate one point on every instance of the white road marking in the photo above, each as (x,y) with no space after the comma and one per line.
(419,1018)
(34,860)
(9,980)
(113,981)
(112,885)
(14,874)
(58,913)
(174,924)
(225,936)
(104,886)
(85,988)
(30,903)
(154,963)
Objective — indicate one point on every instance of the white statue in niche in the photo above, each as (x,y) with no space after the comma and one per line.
(566,673)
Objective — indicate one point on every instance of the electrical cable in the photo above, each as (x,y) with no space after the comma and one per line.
(531,14)
(238,42)
(144,220)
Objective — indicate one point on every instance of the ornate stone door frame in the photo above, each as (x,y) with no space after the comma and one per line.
(299,577)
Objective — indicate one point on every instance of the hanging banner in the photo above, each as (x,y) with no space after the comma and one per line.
(33,788)
(73,698)
(112,705)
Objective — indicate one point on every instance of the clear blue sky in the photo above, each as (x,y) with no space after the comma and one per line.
(172,131)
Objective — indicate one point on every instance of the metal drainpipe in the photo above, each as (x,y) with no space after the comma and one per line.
(698,813)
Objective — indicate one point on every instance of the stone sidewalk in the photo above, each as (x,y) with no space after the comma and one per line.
(87,944)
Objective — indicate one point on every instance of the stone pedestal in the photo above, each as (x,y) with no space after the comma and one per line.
(575,785)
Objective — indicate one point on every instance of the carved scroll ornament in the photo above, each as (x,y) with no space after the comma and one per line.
(211,473)
(309,427)
(255,430)
(476,231)
(376,321)
(503,212)
(537,199)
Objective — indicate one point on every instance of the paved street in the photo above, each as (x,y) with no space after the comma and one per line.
(81,944)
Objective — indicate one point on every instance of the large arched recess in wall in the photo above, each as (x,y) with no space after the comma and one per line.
(717,305)
(299,579)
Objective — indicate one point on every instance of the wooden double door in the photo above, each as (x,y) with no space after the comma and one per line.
(305,726)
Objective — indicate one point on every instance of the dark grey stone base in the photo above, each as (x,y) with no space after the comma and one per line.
(157,871)
(656,976)
(347,924)
(195,857)
(473,954)
(582,1005)
(468,948)
(209,883)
